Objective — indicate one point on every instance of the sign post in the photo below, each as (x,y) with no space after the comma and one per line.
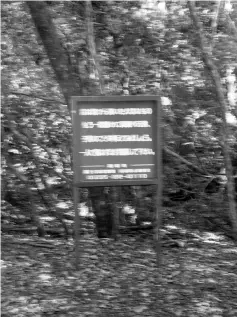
(116,141)
(76,201)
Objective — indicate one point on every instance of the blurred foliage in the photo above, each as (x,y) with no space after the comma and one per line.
(154,46)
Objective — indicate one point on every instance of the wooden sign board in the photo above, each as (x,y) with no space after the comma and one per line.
(116,140)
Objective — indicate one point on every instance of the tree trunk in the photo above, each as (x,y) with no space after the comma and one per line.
(208,60)
(214,23)
(57,54)
(93,60)
(115,212)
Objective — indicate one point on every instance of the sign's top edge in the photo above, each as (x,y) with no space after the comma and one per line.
(116,98)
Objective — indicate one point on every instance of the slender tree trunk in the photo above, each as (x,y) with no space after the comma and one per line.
(56,53)
(115,212)
(208,60)
(215,22)
(96,68)
(231,25)
(231,87)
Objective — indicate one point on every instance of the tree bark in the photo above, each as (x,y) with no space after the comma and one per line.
(232,27)
(208,60)
(186,162)
(96,69)
(57,54)
(215,22)
(115,213)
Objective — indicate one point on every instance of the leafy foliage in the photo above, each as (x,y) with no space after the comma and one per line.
(153,48)
(114,48)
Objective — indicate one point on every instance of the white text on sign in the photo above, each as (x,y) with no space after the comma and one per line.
(118,152)
(114,111)
(115,124)
(116,138)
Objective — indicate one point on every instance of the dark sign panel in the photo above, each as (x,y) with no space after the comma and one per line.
(116,140)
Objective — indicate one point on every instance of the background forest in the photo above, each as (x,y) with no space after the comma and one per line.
(183,51)
(52,50)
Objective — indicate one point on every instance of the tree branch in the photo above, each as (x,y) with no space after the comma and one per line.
(37,97)
(56,213)
(214,23)
(29,140)
(183,160)
(208,60)
(232,26)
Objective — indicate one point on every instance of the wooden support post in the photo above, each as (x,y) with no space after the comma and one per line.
(158,200)
(114,196)
(76,200)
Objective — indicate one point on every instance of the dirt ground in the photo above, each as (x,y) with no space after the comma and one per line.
(197,276)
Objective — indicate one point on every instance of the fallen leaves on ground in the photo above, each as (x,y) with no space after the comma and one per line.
(119,278)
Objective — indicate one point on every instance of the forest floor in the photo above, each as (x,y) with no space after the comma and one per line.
(197,276)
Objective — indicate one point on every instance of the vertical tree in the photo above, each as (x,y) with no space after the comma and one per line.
(56,52)
(208,60)
(93,60)
(60,61)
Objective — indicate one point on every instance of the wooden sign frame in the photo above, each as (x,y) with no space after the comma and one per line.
(152,101)
(76,103)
